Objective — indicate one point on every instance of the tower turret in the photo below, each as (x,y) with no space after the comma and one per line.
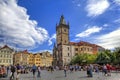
(62,20)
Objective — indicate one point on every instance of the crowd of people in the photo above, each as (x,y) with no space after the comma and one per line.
(19,69)
(90,68)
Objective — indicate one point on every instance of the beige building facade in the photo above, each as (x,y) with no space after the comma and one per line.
(9,57)
(6,55)
(21,57)
(46,59)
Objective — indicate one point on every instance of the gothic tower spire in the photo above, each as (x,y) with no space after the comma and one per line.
(62,20)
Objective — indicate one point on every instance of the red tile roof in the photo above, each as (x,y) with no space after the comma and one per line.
(83,43)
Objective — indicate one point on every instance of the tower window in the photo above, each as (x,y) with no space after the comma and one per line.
(88,49)
(76,49)
(68,48)
(81,49)
(68,54)
(65,30)
(65,41)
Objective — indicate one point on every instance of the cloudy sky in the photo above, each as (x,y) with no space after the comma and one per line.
(31,24)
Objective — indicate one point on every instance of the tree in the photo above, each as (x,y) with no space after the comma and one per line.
(111,55)
(83,59)
(103,58)
(117,55)
(91,58)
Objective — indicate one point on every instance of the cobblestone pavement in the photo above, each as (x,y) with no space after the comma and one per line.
(59,75)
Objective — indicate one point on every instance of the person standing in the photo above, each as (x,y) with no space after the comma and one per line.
(1,72)
(7,70)
(108,70)
(71,68)
(91,70)
(34,70)
(4,74)
(65,71)
(105,70)
(39,71)
(12,72)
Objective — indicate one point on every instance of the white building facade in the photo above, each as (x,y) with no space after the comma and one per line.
(6,56)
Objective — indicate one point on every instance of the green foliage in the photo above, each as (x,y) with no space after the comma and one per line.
(109,57)
(83,59)
(117,55)
(102,58)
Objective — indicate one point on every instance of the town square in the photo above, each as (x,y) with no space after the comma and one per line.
(60,40)
(58,75)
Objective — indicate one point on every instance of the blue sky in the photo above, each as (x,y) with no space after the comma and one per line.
(31,24)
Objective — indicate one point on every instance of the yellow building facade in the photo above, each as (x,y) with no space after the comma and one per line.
(39,59)
(34,59)
(31,59)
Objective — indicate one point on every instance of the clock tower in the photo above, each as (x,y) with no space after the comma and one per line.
(62,31)
(62,38)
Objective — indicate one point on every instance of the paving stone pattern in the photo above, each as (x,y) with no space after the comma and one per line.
(59,75)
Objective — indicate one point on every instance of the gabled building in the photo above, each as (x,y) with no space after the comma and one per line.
(46,59)
(31,59)
(6,55)
(64,50)
(21,57)
(37,59)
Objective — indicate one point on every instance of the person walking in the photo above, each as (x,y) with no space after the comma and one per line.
(39,71)
(34,70)
(105,69)
(12,69)
(18,71)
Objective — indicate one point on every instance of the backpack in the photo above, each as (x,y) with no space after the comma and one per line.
(12,69)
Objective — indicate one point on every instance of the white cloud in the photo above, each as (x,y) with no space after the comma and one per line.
(110,40)
(76,3)
(117,2)
(105,25)
(117,21)
(50,39)
(45,51)
(16,28)
(97,7)
(89,31)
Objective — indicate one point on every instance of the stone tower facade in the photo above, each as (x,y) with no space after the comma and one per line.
(62,30)
(62,37)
